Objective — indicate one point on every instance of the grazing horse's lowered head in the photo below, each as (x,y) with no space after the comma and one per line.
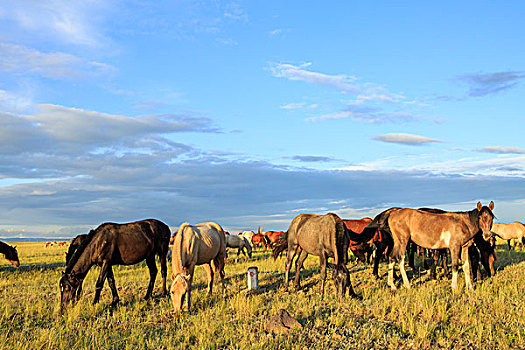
(178,290)
(69,284)
(10,253)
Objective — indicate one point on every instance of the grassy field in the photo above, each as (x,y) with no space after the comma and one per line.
(429,315)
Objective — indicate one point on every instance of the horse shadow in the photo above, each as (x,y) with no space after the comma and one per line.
(33,267)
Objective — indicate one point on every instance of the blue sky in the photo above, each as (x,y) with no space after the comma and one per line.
(248,113)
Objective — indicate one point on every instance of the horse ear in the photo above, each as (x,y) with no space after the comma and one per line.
(479,206)
(491,205)
(259,230)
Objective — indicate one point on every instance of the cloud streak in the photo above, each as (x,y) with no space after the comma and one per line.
(405,139)
(483,84)
(501,150)
(58,65)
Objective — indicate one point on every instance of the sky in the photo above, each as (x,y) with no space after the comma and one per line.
(249,113)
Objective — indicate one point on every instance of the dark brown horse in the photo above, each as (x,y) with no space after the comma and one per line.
(75,243)
(324,236)
(117,244)
(451,230)
(10,254)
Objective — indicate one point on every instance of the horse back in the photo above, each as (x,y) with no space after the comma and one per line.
(429,230)
(202,243)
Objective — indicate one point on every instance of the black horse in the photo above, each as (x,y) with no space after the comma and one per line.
(116,244)
(10,254)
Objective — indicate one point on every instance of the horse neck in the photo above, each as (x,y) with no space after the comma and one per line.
(5,248)
(81,261)
(177,265)
(472,221)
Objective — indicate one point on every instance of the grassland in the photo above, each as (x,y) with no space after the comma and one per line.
(427,316)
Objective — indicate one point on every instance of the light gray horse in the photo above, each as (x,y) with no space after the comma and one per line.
(239,242)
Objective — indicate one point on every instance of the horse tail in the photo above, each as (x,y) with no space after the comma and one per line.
(280,246)
(341,242)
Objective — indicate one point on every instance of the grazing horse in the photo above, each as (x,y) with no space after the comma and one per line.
(239,242)
(515,230)
(451,230)
(324,236)
(10,254)
(202,244)
(259,239)
(362,251)
(116,244)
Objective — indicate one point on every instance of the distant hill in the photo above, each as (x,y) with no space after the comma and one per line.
(33,239)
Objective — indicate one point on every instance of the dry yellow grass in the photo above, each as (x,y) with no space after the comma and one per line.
(427,316)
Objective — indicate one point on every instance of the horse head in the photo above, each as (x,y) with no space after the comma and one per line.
(485,219)
(342,280)
(12,256)
(68,286)
(178,290)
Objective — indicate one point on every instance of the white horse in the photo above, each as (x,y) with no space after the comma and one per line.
(202,244)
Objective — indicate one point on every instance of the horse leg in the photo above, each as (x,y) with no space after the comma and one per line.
(455,251)
(289,258)
(298,265)
(380,248)
(411,255)
(218,265)
(390,280)
(322,260)
(403,272)
(79,290)
(100,281)
(466,267)
(188,292)
(112,286)
(209,273)
(152,266)
(164,272)
(474,261)
(435,260)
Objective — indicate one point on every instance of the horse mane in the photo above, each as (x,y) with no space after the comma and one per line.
(6,248)
(78,252)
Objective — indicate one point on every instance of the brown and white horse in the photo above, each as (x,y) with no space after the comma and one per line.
(453,230)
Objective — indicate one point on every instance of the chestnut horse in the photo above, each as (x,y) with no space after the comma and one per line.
(362,251)
(273,236)
(10,254)
(451,230)
(260,239)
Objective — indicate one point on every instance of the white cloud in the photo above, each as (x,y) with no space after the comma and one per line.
(405,139)
(72,22)
(501,150)
(299,73)
(57,65)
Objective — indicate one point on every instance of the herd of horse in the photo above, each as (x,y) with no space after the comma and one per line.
(469,236)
